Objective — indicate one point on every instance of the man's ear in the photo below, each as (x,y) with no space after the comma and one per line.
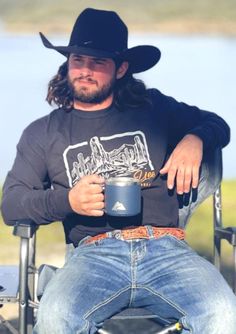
(122,70)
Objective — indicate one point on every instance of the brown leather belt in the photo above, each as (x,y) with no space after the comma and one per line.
(141,232)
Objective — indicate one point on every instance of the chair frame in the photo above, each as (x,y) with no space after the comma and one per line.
(26,230)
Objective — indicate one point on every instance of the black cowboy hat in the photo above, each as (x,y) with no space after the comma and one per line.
(101,33)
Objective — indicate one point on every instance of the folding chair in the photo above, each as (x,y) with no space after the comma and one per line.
(23,289)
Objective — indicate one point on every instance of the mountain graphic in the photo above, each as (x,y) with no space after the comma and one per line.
(118,206)
(129,154)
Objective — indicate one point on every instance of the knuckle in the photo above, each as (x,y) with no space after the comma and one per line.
(180,178)
(98,213)
(172,170)
(101,206)
(98,205)
(187,179)
(101,197)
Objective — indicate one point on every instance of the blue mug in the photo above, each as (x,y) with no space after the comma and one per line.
(122,196)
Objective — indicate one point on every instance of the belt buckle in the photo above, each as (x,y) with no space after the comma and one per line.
(117,234)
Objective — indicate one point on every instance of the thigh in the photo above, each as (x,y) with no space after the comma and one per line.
(188,283)
(94,282)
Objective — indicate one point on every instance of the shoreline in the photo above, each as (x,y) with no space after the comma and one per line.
(174,27)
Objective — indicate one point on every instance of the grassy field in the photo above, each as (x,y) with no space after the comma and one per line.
(153,15)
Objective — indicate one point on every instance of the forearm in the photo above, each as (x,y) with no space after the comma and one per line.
(42,206)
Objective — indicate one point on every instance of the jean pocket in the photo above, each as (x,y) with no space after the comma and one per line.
(180,242)
(85,244)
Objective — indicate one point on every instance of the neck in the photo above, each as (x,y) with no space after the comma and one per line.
(93,106)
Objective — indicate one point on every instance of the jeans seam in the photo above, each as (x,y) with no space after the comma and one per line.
(185,324)
(163,298)
(106,301)
(133,273)
(86,326)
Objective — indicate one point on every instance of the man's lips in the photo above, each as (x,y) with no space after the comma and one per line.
(85,81)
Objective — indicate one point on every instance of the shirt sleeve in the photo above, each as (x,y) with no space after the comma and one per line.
(183,119)
(27,192)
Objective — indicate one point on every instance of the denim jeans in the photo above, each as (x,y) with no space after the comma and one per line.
(162,275)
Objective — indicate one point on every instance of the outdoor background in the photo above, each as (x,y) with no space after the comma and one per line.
(198,44)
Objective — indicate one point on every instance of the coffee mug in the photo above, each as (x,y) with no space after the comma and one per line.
(122,196)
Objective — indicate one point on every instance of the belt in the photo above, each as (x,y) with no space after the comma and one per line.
(141,232)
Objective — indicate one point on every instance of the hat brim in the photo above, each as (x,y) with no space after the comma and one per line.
(140,58)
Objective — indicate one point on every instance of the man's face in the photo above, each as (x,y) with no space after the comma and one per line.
(91,79)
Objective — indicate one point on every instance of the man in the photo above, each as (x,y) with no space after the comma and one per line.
(108,124)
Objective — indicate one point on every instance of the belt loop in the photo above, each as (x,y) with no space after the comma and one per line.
(109,234)
(84,240)
(150,231)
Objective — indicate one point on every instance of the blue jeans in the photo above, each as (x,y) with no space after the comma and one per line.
(162,275)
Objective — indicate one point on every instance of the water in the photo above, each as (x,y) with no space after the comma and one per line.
(198,70)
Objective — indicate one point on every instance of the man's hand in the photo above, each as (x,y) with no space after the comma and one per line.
(183,164)
(86,197)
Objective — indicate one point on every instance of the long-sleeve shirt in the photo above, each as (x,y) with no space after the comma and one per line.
(57,150)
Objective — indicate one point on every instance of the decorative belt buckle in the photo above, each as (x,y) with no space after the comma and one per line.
(117,234)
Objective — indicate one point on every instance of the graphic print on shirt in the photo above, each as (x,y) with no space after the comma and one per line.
(123,154)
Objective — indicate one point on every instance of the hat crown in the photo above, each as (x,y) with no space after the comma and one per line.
(102,34)
(100,29)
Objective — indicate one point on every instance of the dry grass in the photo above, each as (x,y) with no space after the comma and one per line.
(179,16)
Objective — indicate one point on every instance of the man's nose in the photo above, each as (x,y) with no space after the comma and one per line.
(87,68)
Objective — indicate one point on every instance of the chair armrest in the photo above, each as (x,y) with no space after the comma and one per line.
(25,228)
(228,233)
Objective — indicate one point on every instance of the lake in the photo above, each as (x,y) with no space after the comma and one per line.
(199,70)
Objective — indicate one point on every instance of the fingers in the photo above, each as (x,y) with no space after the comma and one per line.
(184,180)
(180,181)
(195,177)
(183,177)
(166,167)
(93,179)
(187,180)
(171,170)
(86,197)
(90,185)
(182,167)
(171,177)
(93,209)
(94,189)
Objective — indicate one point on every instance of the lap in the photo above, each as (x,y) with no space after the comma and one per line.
(180,282)
(165,275)
(89,283)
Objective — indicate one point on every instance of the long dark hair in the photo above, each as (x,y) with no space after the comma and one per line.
(128,91)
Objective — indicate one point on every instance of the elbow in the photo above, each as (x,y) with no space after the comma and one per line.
(6,211)
(227,135)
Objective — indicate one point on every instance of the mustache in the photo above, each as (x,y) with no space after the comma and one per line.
(85,79)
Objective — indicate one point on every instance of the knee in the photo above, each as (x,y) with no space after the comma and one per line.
(218,316)
(214,314)
(49,315)
(57,315)
(223,316)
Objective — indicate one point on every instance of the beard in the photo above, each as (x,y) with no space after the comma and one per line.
(83,94)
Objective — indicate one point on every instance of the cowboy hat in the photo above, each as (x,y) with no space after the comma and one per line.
(101,33)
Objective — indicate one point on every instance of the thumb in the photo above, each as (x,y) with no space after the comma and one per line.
(93,179)
(165,168)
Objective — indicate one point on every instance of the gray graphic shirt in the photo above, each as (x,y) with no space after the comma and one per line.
(57,150)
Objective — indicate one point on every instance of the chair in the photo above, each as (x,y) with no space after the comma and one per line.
(23,291)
